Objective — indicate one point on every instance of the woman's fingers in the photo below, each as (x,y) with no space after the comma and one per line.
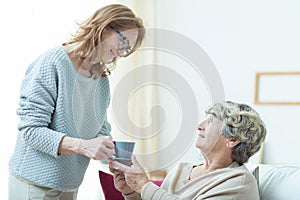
(119,166)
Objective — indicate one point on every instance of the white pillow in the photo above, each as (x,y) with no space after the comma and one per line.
(279,182)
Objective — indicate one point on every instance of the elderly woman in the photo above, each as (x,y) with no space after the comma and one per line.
(229,135)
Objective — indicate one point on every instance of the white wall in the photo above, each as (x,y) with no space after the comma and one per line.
(244,37)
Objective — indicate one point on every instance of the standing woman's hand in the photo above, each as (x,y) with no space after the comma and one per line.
(100,148)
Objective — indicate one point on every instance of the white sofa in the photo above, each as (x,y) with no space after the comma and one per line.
(278,182)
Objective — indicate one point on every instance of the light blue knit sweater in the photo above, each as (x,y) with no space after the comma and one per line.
(55,101)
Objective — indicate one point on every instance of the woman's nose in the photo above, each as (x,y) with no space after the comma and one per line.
(113,55)
(200,128)
(116,53)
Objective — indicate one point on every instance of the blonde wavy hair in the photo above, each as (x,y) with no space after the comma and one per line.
(241,122)
(89,33)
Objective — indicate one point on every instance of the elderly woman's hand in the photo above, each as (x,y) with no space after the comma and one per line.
(120,183)
(135,175)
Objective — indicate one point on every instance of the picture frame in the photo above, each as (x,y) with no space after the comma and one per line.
(277,88)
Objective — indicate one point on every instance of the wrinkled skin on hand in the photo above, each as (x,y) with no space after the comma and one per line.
(135,175)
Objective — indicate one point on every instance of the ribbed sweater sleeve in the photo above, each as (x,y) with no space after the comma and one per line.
(105,130)
(37,101)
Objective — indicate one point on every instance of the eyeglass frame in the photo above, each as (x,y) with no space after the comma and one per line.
(124,43)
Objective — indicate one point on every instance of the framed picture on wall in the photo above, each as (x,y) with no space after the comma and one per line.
(277,88)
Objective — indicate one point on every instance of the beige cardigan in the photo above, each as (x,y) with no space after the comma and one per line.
(232,182)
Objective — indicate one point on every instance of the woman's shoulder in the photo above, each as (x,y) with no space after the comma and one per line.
(54,54)
(49,59)
(239,172)
(46,65)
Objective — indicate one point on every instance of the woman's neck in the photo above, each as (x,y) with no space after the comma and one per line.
(82,66)
(213,164)
(210,165)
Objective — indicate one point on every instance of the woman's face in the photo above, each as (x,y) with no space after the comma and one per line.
(209,138)
(117,44)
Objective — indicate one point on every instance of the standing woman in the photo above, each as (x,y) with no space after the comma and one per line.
(63,106)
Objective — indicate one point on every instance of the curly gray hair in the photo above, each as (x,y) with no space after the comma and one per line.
(241,122)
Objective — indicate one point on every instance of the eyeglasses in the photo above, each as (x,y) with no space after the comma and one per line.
(123,49)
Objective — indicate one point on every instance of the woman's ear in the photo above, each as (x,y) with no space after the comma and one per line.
(232,142)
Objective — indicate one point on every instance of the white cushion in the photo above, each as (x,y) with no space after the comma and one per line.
(279,182)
